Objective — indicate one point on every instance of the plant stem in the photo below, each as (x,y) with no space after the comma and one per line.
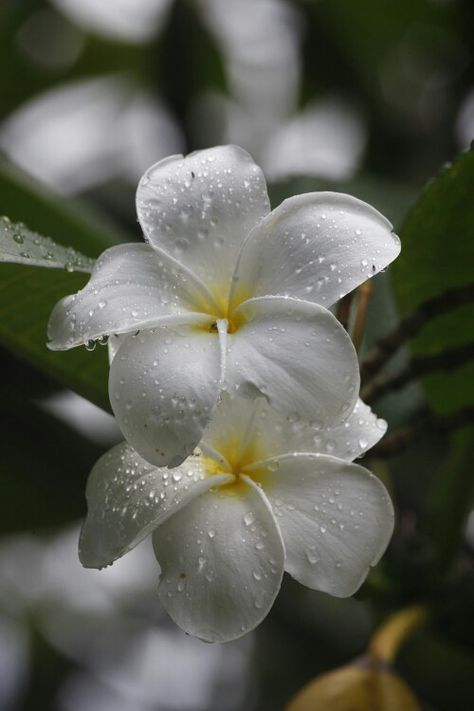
(425,421)
(422,365)
(364,293)
(390,636)
(409,326)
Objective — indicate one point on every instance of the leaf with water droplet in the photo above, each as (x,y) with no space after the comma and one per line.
(20,245)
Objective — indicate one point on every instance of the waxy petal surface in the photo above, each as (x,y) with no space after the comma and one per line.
(222,562)
(336,519)
(127,498)
(163,388)
(317,247)
(131,287)
(347,439)
(200,209)
(296,354)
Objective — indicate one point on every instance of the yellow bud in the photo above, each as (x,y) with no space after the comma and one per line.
(362,686)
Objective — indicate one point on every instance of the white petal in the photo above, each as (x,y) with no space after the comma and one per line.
(336,519)
(199,209)
(163,388)
(222,562)
(232,423)
(113,344)
(353,437)
(127,498)
(346,439)
(130,288)
(316,246)
(297,355)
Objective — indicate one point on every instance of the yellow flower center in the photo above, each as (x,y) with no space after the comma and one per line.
(240,460)
(223,308)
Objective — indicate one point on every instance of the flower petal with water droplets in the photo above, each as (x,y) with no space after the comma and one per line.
(127,498)
(163,388)
(347,439)
(131,287)
(200,209)
(222,562)
(336,519)
(317,247)
(296,354)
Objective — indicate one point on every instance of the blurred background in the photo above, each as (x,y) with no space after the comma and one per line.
(359,96)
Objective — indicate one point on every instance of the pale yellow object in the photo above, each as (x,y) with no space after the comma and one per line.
(356,688)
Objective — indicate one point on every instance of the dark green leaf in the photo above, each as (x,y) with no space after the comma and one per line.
(438,254)
(28,294)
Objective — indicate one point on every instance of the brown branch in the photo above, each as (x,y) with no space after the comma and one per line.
(364,293)
(411,324)
(344,309)
(425,421)
(422,365)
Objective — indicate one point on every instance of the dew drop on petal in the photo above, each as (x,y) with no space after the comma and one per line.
(249,518)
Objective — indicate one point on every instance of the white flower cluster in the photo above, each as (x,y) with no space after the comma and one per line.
(236,390)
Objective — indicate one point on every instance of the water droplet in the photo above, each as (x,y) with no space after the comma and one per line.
(312,557)
(249,518)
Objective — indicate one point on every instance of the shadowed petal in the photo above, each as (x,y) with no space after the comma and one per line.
(163,388)
(127,498)
(222,562)
(336,519)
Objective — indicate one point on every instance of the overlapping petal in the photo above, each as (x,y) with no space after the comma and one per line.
(131,287)
(127,498)
(163,387)
(297,355)
(317,247)
(200,208)
(222,562)
(347,439)
(336,519)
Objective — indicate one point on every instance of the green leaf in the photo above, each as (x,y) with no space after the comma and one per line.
(20,245)
(28,294)
(437,255)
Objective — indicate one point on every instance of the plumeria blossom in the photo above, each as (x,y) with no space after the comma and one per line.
(261,495)
(225,295)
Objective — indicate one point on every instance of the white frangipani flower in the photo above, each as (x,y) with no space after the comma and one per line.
(260,496)
(226,295)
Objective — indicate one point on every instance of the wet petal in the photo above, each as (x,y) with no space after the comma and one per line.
(200,208)
(336,519)
(222,562)
(347,439)
(297,355)
(131,287)
(317,247)
(127,498)
(163,388)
